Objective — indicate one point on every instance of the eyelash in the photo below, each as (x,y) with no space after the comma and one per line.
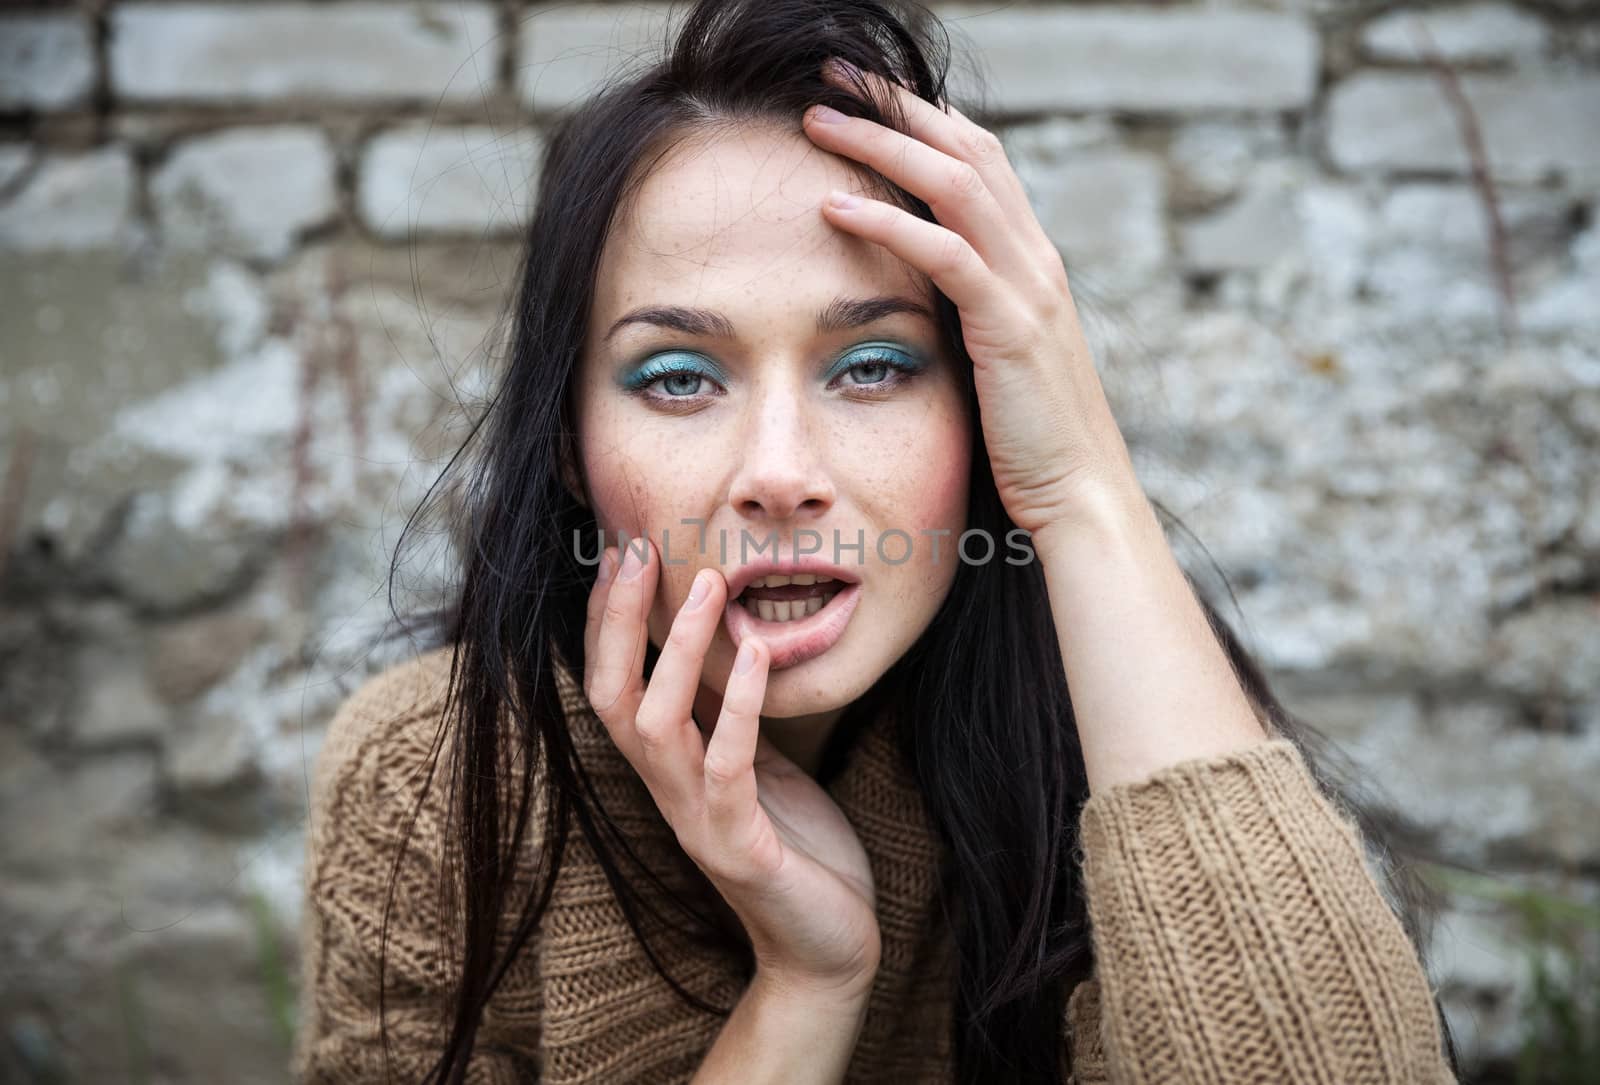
(900,366)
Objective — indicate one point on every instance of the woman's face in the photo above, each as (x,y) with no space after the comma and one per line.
(779,415)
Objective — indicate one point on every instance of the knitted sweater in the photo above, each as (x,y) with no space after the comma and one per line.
(1238,933)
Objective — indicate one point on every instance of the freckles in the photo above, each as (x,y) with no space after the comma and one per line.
(671,480)
(653,484)
(635,476)
(613,497)
(875,454)
(934,496)
(667,459)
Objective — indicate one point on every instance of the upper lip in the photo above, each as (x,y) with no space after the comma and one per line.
(744,575)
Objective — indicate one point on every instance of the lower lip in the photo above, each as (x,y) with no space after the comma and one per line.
(798,639)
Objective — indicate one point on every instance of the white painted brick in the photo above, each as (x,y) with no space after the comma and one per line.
(1586,43)
(1466,33)
(1213,160)
(1143,61)
(46,60)
(1433,255)
(1531,125)
(14,159)
(257,52)
(1451,216)
(470,180)
(1562,307)
(1337,228)
(568,50)
(72,202)
(1314,7)
(247,191)
(1081,58)
(1105,209)
(1057,139)
(1253,230)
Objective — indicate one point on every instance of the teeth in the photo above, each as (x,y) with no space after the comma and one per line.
(778,580)
(789,610)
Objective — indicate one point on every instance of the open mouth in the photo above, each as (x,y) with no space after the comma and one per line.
(780,598)
(798,616)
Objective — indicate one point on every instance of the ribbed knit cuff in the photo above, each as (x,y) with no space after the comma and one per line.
(1239,935)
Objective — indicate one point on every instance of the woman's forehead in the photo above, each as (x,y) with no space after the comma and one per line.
(741,200)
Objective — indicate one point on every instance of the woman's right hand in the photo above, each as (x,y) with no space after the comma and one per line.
(771,841)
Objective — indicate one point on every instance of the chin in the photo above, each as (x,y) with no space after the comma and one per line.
(817,685)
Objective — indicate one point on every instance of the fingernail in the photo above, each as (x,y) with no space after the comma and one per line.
(698,590)
(827,115)
(745,659)
(843,200)
(608,564)
(633,562)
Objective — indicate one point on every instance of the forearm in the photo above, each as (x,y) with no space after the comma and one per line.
(1151,686)
(778,1034)
(1229,895)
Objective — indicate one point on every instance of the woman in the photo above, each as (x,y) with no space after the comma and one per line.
(837,816)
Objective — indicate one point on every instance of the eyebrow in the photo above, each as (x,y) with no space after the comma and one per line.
(838,315)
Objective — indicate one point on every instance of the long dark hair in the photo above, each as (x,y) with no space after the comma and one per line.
(984,683)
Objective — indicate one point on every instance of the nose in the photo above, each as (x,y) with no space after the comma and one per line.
(782,473)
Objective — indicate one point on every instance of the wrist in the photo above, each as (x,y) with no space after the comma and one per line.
(809,997)
(787,1029)
(1106,513)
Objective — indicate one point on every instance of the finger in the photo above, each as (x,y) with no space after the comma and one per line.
(944,255)
(616,675)
(954,190)
(730,778)
(959,137)
(668,738)
(597,600)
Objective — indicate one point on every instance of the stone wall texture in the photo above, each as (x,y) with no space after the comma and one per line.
(252,256)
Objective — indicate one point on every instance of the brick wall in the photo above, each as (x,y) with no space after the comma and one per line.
(252,254)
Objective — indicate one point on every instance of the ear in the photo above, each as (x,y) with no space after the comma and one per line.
(571,477)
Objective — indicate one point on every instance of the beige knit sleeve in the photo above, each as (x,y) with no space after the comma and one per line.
(1240,936)
(367,777)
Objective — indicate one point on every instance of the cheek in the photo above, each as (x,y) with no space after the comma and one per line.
(926,481)
(641,481)
(636,478)
(929,493)
(948,456)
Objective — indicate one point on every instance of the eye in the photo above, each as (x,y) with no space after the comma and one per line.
(875,369)
(684,378)
(679,376)
(879,368)
(681,384)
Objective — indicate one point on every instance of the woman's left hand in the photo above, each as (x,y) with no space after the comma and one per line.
(1055,449)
